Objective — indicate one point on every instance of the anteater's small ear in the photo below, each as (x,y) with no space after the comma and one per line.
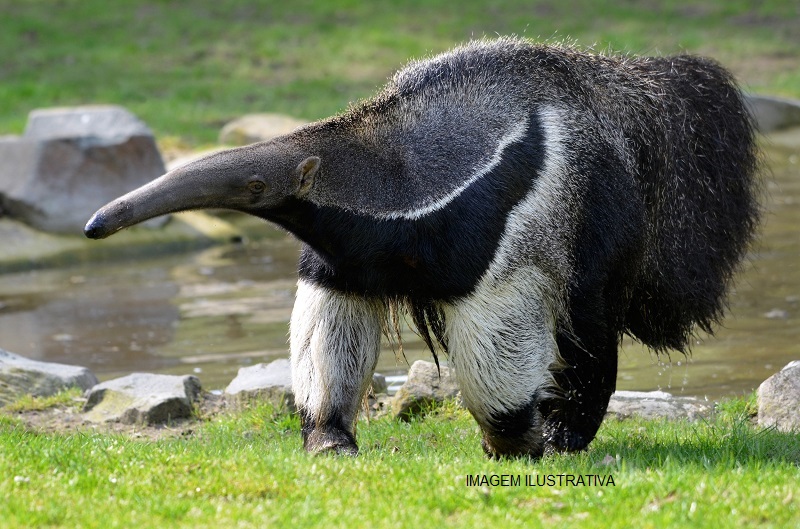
(305,174)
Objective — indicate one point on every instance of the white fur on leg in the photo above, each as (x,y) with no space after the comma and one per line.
(501,343)
(335,341)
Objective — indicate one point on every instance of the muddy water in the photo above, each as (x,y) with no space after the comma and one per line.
(214,311)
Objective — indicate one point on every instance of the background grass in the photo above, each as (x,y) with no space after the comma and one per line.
(188,67)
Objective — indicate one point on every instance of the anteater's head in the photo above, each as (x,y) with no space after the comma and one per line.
(252,179)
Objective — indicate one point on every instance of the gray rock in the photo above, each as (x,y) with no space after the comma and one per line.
(779,399)
(379,384)
(268,382)
(143,398)
(378,405)
(257,127)
(776,314)
(425,386)
(21,376)
(71,161)
(657,404)
(192,156)
(774,113)
(96,124)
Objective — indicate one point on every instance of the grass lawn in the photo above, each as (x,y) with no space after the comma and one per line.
(186,68)
(247,470)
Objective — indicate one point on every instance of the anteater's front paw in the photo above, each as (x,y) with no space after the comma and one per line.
(331,441)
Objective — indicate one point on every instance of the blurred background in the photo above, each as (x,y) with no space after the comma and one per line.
(188,68)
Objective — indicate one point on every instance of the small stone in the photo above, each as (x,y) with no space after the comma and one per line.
(779,399)
(654,404)
(379,384)
(143,398)
(425,385)
(776,314)
(21,376)
(608,461)
(773,113)
(380,405)
(268,382)
(257,127)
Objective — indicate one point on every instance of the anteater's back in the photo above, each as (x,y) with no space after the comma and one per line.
(676,126)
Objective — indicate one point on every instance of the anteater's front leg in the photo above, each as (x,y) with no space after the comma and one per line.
(335,340)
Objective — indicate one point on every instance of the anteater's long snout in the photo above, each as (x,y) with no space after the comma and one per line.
(96,227)
(162,196)
(110,219)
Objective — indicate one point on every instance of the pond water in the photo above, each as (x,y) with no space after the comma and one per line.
(213,311)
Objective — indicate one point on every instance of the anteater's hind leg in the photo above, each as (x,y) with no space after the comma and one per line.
(335,341)
(585,383)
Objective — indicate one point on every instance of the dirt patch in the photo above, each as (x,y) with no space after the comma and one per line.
(68,419)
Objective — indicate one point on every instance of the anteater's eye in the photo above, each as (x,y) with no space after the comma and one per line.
(257,186)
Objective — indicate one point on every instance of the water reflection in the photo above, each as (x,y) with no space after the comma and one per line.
(89,317)
(214,311)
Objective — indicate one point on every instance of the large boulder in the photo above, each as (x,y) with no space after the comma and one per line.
(143,398)
(21,376)
(257,127)
(779,399)
(71,161)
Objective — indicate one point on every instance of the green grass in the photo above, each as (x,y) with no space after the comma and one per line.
(32,403)
(188,67)
(248,470)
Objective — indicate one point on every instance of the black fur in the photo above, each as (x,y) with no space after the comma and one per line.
(423,259)
(513,433)
(329,435)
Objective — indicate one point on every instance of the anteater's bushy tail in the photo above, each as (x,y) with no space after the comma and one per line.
(699,172)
